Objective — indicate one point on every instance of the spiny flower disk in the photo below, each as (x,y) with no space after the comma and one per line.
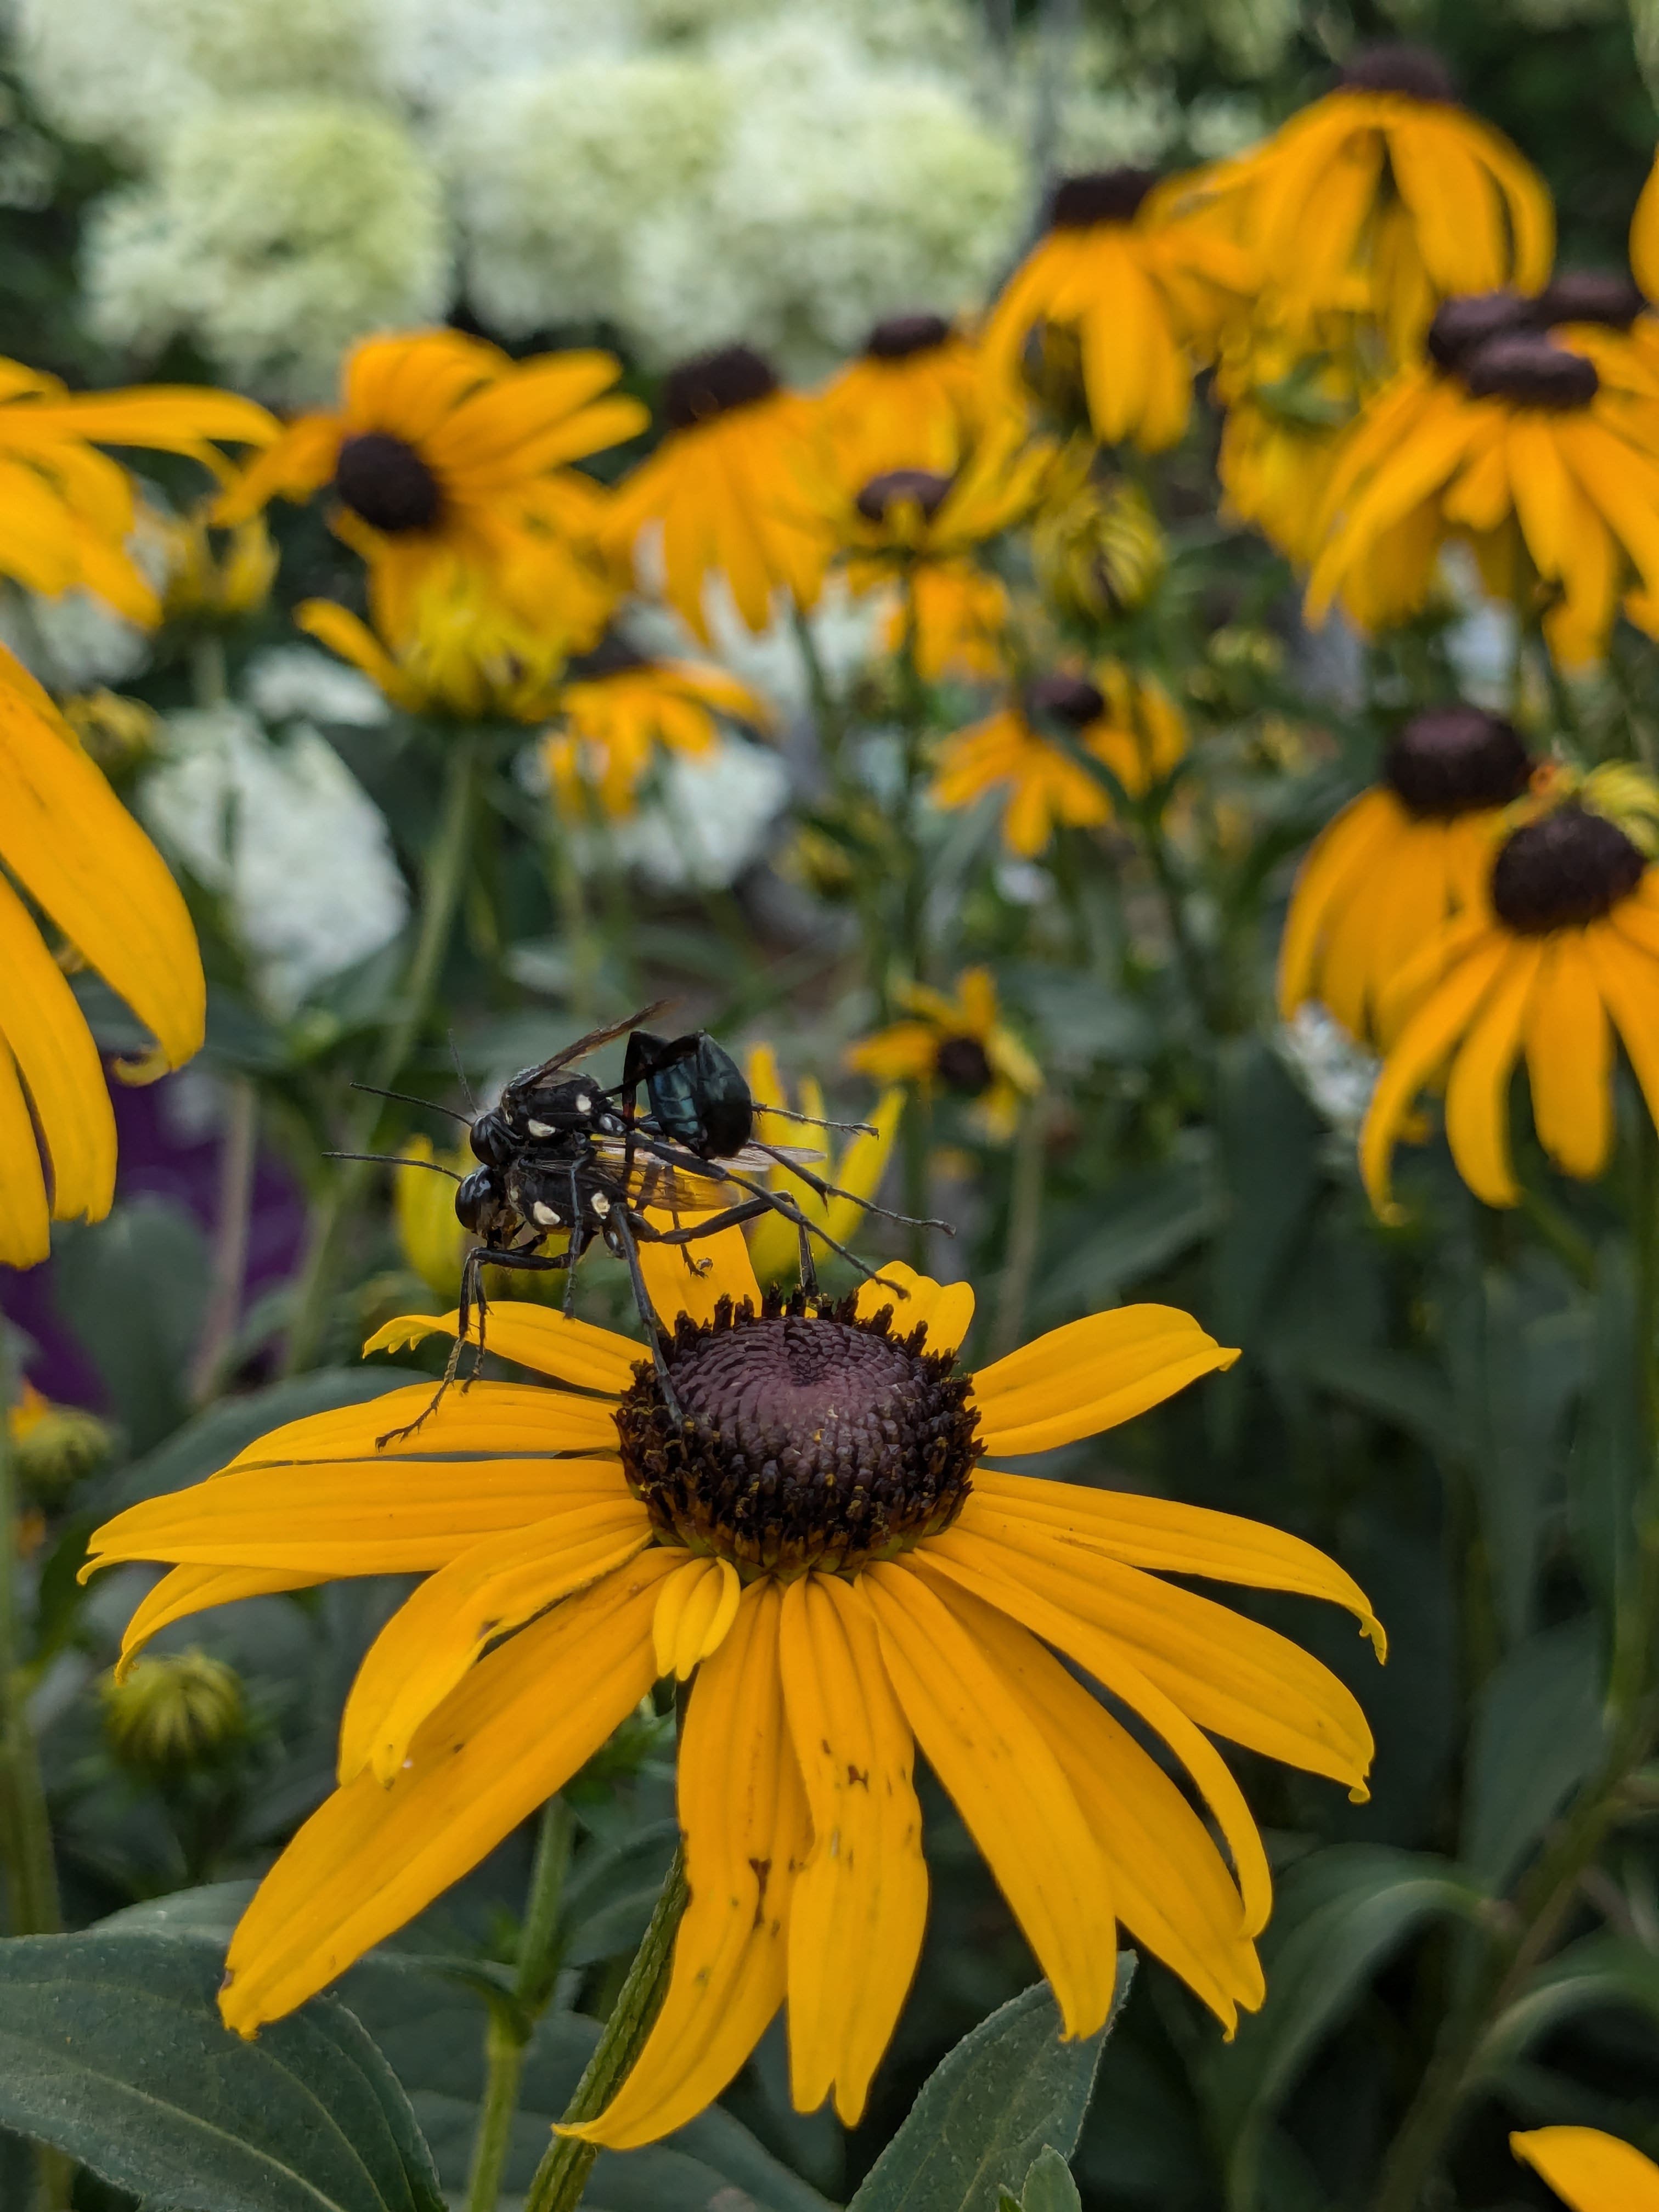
(712,384)
(384,480)
(1099,195)
(1454,760)
(1563,870)
(898,337)
(809,1438)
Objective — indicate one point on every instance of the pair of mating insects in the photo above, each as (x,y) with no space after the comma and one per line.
(560,1152)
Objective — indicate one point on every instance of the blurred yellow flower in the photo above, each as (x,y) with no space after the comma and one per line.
(617,708)
(1095,544)
(915,398)
(87,868)
(958,1044)
(1289,395)
(960,614)
(208,579)
(429,1236)
(466,652)
(737,488)
(1589,2170)
(856,1168)
(906,516)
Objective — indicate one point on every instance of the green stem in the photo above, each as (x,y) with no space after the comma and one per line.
(441,880)
(916,1167)
(912,707)
(1173,894)
(582,946)
(513,2021)
(1025,1224)
(826,713)
(237,1158)
(559,2180)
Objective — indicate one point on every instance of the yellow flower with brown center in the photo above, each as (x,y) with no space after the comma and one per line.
(1138,285)
(1556,952)
(818,1542)
(617,709)
(737,489)
(1517,449)
(1589,2170)
(1387,197)
(1398,862)
(906,516)
(1124,717)
(856,1169)
(914,397)
(443,449)
(66,510)
(960,1045)
(72,851)
(466,652)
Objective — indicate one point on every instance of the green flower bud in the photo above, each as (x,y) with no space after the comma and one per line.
(174,1712)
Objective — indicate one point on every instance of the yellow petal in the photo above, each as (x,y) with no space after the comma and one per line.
(535,1337)
(1422,1046)
(492,1418)
(24,1226)
(1018,1806)
(694,1613)
(372,1856)
(1478,1094)
(1589,2170)
(856,1920)
(1628,983)
(945,1308)
(58,1061)
(186,1590)
(745,1816)
(692,1279)
(1570,1060)
(496,1585)
(1337,859)
(1092,1375)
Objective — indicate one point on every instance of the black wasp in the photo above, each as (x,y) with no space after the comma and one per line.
(561,1152)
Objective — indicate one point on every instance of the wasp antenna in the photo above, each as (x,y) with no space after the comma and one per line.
(408,1098)
(466,1088)
(395,1160)
(817,1121)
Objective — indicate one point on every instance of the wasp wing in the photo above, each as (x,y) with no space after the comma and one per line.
(591,1043)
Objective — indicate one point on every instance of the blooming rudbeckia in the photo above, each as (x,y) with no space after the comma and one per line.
(906,516)
(1388,196)
(737,488)
(882,1590)
(1142,286)
(77,855)
(857,1168)
(1398,862)
(1519,445)
(617,708)
(443,449)
(463,651)
(1591,2171)
(960,1045)
(1558,949)
(66,511)
(1127,720)
(913,398)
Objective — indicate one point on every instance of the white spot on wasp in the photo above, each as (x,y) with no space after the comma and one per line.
(544,1215)
(601,1203)
(538,1128)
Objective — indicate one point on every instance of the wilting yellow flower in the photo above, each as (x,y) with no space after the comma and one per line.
(466,652)
(66,510)
(913,398)
(1398,862)
(957,615)
(1096,546)
(857,1168)
(960,1045)
(1517,447)
(1591,2171)
(618,708)
(162,1715)
(737,488)
(1557,949)
(207,580)
(1125,719)
(1143,288)
(116,731)
(1387,197)
(85,863)
(430,1236)
(444,450)
(891,1595)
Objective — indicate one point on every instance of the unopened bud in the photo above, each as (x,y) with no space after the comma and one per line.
(56,1446)
(174,1712)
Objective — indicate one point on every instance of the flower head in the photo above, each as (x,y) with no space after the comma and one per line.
(90,870)
(1398,861)
(459,649)
(907,515)
(1589,2170)
(914,397)
(163,1714)
(958,613)
(737,489)
(54,1446)
(618,708)
(819,1544)
(214,576)
(855,1169)
(1556,948)
(960,1045)
(1096,546)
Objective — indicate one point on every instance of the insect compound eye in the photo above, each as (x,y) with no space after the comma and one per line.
(492,1139)
(476,1198)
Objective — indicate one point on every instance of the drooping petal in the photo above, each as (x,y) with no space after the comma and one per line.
(373,1856)
(1628,979)
(1421,1047)
(861,1905)
(499,1420)
(696,1609)
(537,1337)
(747,1834)
(25,1220)
(1010,1789)
(1478,1093)
(947,1309)
(1570,1060)
(1337,857)
(43,1025)
(1092,1375)
(186,1590)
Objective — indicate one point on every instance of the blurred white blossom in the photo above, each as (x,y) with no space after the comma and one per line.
(1335,1075)
(709,818)
(297,683)
(288,836)
(274,231)
(72,642)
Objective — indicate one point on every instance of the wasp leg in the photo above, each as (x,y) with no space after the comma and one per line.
(809,1266)
(828,1190)
(624,1224)
(772,1202)
(471,1299)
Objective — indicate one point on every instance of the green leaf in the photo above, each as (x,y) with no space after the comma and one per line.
(112,2048)
(1049,2185)
(1538,1732)
(1008,2089)
(1147,1221)
(1608,1467)
(1340,1916)
(133,1290)
(1603,1970)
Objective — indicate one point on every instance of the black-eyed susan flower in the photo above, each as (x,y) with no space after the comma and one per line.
(915,397)
(855,1167)
(1094,541)
(1123,717)
(1398,862)
(1557,952)
(617,709)
(1387,197)
(1591,2171)
(1138,283)
(462,652)
(876,1589)
(1517,449)
(908,516)
(80,860)
(213,575)
(737,488)
(961,1045)
(68,511)
(444,449)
